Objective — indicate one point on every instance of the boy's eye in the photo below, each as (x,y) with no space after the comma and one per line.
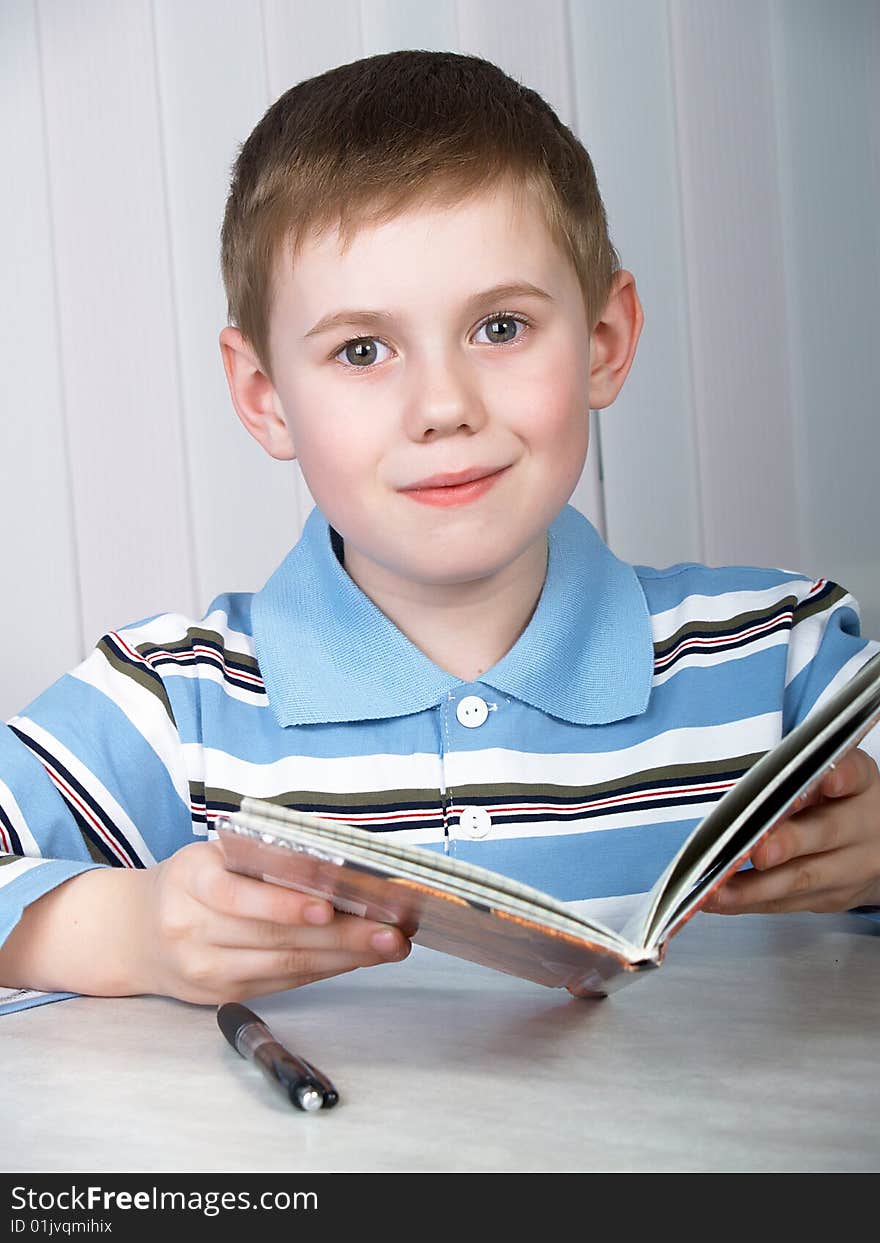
(502,329)
(360,353)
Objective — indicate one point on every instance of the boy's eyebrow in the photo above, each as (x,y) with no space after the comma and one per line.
(508,290)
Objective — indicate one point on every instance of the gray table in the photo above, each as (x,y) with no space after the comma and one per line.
(752,1048)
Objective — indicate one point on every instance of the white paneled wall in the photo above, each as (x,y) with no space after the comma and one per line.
(826,78)
(626,120)
(39,567)
(737,145)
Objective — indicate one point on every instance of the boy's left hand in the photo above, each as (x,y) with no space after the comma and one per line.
(825,854)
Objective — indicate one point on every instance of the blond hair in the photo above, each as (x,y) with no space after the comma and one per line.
(366,141)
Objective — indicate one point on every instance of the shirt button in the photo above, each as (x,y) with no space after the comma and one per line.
(476,821)
(471,711)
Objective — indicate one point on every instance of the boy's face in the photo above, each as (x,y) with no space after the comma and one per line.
(449,384)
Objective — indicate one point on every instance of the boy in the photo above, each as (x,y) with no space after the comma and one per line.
(424,306)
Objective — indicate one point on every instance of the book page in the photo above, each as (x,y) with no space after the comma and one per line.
(614,913)
(758,801)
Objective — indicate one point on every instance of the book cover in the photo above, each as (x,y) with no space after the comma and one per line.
(473,913)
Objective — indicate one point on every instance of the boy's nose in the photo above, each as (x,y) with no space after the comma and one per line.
(430,415)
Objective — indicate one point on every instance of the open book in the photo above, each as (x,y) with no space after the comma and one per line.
(477,914)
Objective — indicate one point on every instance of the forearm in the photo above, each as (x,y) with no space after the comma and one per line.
(83,936)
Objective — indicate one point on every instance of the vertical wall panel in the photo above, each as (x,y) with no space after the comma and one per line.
(302,40)
(827,87)
(395,25)
(736,287)
(627,123)
(40,625)
(116,311)
(247,507)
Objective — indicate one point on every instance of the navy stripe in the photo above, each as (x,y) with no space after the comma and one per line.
(16,847)
(86,828)
(738,639)
(199,658)
(237,661)
(123,657)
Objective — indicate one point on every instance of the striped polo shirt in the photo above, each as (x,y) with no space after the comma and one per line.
(633,699)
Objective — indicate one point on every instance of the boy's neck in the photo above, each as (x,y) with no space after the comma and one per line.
(464,628)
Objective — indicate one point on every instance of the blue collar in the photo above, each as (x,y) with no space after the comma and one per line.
(328,654)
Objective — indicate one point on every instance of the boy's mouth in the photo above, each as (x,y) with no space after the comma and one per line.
(455,488)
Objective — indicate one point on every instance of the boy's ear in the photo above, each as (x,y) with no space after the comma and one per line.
(613,341)
(253,396)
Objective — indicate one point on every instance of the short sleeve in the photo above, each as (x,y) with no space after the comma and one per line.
(92,774)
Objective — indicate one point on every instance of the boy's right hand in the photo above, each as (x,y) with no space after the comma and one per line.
(209,935)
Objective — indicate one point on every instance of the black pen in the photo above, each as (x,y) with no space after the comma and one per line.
(300,1082)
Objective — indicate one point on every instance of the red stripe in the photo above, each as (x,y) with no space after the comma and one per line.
(723,639)
(616,801)
(213,657)
(115,846)
(180,656)
(509,808)
(134,655)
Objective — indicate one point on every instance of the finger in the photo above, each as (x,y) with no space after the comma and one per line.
(812,796)
(294,967)
(813,832)
(246,897)
(822,882)
(253,987)
(851,775)
(239,973)
(349,933)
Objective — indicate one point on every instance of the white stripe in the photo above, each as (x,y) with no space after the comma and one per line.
(807,636)
(346,774)
(201,652)
(13,811)
(10,871)
(143,710)
(89,782)
(172,627)
(633,819)
(725,607)
(849,670)
(739,638)
(352,774)
(707,658)
(699,744)
(871,741)
(207,670)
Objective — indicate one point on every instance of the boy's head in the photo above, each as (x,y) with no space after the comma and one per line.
(408,183)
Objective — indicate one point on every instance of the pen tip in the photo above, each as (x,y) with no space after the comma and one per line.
(309,1099)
